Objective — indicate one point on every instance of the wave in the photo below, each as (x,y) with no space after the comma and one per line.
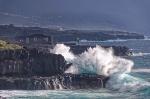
(64,51)
(127,83)
(146,37)
(140,54)
(103,62)
(87,42)
(141,70)
(22,93)
(95,60)
(117,40)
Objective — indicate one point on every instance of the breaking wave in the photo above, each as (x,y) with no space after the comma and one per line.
(128,83)
(141,70)
(95,60)
(102,62)
(64,51)
(140,54)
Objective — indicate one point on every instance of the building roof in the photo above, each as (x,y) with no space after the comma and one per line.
(37,35)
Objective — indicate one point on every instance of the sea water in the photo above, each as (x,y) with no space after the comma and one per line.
(133,85)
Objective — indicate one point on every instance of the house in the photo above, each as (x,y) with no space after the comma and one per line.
(35,39)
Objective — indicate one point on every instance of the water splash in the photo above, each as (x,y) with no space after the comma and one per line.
(64,51)
(127,83)
(57,84)
(103,62)
(140,54)
(95,60)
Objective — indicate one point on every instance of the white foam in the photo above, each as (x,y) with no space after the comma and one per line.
(64,51)
(146,37)
(22,93)
(140,54)
(102,61)
(117,40)
(125,82)
(146,70)
(95,60)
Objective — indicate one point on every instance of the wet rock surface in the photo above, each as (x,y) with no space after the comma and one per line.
(65,81)
(30,69)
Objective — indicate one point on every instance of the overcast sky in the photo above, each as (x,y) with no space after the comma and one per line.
(130,15)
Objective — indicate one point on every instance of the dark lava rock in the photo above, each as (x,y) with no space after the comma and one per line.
(66,81)
(31,62)
(30,69)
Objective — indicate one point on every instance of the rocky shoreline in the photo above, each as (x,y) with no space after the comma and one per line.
(14,32)
(23,62)
(31,69)
(65,81)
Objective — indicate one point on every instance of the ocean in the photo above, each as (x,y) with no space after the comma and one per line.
(133,85)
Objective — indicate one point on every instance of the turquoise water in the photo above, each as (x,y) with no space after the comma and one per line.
(76,94)
(70,94)
(135,85)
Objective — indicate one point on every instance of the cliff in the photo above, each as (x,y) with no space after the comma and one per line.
(30,69)
(23,62)
(18,61)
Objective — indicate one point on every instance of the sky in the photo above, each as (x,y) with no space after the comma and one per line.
(128,15)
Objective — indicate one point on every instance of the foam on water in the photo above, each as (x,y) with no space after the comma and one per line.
(103,62)
(140,54)
(147,37)
(63,94)
(118,40)
(141,70)
(125,40)
(95,60)
(126,82)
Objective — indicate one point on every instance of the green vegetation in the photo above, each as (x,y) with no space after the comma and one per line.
(5,45)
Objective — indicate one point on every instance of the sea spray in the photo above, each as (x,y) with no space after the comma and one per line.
(95,60)
(103,62)
(140,54)
(127,83)
(64,51)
